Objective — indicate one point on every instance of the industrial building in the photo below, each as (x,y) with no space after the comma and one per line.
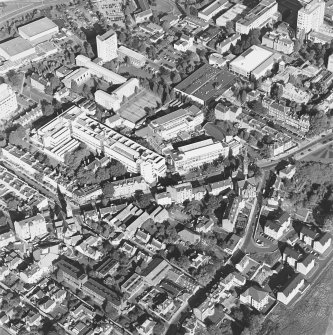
(16,49)
(38,31)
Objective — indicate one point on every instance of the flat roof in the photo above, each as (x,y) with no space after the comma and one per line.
(131,53)
(257,11)
(37,27)
(251,58)
(16,46)
(213,7)
(105,36)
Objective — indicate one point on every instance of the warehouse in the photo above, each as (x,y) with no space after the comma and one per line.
(38,31)
(15,49)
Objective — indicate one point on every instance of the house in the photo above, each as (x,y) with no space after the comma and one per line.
(277,228)
(306,264)
(322,243)
(204,225)
(255,297)
(308,235)
(231,213)
(233,279)
(291,256)
(288,172)
(48,306)
(232,244)
(60,296)
(220,186)
(163,199)
(189,236)
(206,309)
(291,289)
(147,327)
(247,188)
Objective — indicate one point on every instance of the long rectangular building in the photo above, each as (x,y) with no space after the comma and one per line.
(77,125)
(212,9)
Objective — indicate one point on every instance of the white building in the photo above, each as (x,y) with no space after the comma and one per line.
(212,9)
(79,76)
(16,49)
(292,288)
(184,43)
(30,228)
(182,120)
(8,101)
(6,238)
(330,63)
(258,17)
(194,155)
(99,70)
(255,297)
(311,16)
(114,100)
(134,57)
(38,31)
(107,46)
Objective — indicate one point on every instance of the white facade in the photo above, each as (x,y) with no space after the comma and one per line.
(30,228)
(211,10)
(8,101)
(260,15)
(134,57)
(79,76)
(311,16)
(194,155)
(330,63)
(16,49)
(114,100)
(107,46)
(291,290)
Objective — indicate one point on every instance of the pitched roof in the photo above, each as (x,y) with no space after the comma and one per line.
(313,233)
(292,253)
(256,293)
(292,283)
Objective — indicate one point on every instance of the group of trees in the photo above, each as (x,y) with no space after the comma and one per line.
(253,38)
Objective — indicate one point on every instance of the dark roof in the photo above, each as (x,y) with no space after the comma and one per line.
(103,291)
(307,259)
(151,266)
(324,238)
(293,253)
(283,218)
(70,269)
(313,233)
(273,225)
(292,284)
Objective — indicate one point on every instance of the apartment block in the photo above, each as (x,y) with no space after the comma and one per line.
(107,46)
(8,101)
(135,58)
(30,228)
(311,16)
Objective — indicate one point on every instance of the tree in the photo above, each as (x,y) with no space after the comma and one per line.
(328,223)
(108,190)
(17,137)
(14,78)
(142,200)
(318,123)
(47,108)
(175,77)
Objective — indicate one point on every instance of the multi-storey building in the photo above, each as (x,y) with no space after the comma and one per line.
(278,42)
(191,156)
(255,297)
(76,124)
(107,46)
(134,57)
(231,213)
(330,63)
(70,273)
(258,17)
(291,289)
(180,193)
(30,228)
(183,120)
(8,101)
(127,187)
(232,14)
(311,16)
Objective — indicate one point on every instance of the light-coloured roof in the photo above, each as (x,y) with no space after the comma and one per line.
(37,27)
(16,46)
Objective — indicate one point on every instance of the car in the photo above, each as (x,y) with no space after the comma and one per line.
(259,242)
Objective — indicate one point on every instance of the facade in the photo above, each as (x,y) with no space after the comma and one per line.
(30,228)
(311,16)
(38,83)
(192,156)
(305,265)
(134,57)
(115,99)
(184,43)
(107,46)
(143,16)
(255,297)
(212,9)
(16,49)
(127,187)
(8,101)
(258,17)
(330,63)
(180,193)
(38,31)
(79,77)
(70,274)
(292,288)
(225,45)
(322,244)
(99,70)
(278,42)
(231,213)
(277,228)
(183,120)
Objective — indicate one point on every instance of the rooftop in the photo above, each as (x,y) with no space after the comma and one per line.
(37,27)
(16,46)
(105,36)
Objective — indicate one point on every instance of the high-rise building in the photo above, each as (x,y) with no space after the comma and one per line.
(311,16)
(107,46)
(330,63)
(8,101)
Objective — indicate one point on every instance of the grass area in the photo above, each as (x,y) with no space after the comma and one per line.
(310,315)
(3,331)
(324,155)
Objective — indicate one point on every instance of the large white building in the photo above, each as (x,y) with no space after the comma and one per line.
(30,228)
(258,17)
(99,70)
(311,16)
(75,125)
(330,63)
(173,124)
(114,100)
(107,46)
(134,57)
(212,9)
(8,101)
(191,156)
(16,49)
(38,31)
(254,61)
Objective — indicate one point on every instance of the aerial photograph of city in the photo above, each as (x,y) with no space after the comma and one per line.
(166,167)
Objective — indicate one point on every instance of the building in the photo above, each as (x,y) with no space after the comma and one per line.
(6,238)
(330,63)
(305,265)
(134,57)
(279,42)
(99,71)
(38,83)
(308,234)
(181,192)
(217,187)
(205,84)
(258,17)
(291,289)
(278,227)
(212,9)
(255,297)
(226,44)
(291,256)
(255,61)
(30,228)
(79,77)
(232,244)
(8,101)
(143,16)
(192,156)
(173,124)
(38,31)
(116,98)
(127,187)
(231,213)
(16,49)
(311,16)
(232,14)
(184,43)
(321,244)
(70,273)
(107,46)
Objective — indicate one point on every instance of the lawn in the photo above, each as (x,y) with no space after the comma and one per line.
(324,155)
